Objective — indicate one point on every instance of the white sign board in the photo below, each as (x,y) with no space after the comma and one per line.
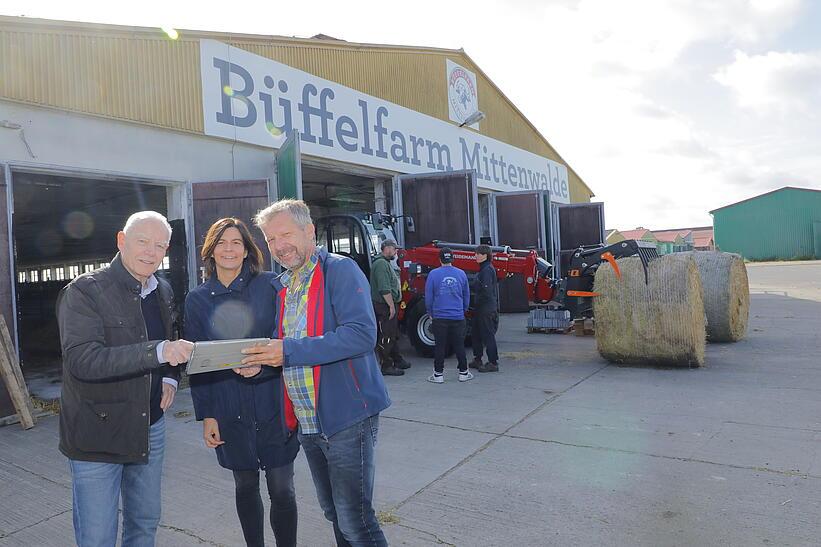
(252,99)
(463,95)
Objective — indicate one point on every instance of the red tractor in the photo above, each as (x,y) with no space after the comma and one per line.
(359,236)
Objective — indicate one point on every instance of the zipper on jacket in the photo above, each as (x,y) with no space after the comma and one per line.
(148,384)
(356,383)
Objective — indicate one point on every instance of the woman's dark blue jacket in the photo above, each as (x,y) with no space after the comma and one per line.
(247,410)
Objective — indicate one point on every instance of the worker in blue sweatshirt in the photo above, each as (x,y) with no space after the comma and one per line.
(447,297)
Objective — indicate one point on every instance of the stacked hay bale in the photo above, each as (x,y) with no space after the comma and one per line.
(656,323)
(726,294)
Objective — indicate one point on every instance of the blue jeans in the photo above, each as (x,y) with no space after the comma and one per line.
(96,489)
(342,467)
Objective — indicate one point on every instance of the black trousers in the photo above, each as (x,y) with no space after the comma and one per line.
(449,333)
(483,334)
(387,335)
(251,514)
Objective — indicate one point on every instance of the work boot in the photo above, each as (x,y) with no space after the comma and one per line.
(490,366)
(392,370)
(476,363)
(401,363)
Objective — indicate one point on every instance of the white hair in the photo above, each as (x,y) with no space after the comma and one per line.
(297,208)
(140,216)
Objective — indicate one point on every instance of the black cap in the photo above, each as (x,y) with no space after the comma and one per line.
(445,255)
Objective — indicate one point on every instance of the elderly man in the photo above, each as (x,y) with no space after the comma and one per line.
(386,294)
(118,379)
(334,388)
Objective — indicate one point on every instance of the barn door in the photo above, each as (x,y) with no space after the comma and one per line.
(234,198)
(522,222)
(7,280)
(437,206)
(580,225)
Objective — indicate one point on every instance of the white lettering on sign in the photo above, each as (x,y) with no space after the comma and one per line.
(252,99)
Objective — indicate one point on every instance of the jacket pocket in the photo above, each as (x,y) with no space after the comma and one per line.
(356,391)
(110,427)
(116,329)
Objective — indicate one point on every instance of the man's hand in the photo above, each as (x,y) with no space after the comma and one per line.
(211,433)
(177,352)
(168,393)
(270,354)
(391,306)
(248,372)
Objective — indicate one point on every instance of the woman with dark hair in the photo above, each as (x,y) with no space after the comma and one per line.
(240,411)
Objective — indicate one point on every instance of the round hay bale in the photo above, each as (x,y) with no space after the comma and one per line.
(726,294)
(657,323)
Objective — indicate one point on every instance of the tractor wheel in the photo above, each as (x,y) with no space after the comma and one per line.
(419,326)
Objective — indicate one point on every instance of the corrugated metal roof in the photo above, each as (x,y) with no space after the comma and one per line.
(765,194)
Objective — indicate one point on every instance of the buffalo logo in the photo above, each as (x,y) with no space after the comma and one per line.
(464,100)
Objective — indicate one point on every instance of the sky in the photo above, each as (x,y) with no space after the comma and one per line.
(667,109)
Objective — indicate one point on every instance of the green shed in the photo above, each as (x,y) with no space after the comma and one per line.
(779,225)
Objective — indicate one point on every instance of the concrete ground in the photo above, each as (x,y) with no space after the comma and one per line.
(559,448)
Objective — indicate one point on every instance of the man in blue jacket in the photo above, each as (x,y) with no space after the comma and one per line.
(334,389)
(447,297)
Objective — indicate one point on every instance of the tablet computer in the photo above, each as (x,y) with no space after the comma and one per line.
(220,354)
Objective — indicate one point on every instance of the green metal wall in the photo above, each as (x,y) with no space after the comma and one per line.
(776,226)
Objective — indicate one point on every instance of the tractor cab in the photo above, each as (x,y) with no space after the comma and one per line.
(358,236)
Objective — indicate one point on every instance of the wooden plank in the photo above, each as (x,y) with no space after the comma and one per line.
(13,378)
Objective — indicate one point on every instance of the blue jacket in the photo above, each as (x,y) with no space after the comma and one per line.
(247,410)
(340,346)
(447,293)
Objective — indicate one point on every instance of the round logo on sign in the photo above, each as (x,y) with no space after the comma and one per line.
(462,94)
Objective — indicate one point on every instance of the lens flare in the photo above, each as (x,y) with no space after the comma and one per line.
(272,129)
(78,225)
(171,33)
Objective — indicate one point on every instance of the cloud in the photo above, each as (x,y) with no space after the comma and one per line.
(775,83)
(650,110)
(688,148)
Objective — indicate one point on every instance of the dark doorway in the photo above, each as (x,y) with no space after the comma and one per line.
(63,227)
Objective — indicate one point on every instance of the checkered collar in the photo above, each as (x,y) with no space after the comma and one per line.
(304,273)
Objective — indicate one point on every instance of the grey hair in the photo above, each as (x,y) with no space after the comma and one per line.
(146,215)
(297,208)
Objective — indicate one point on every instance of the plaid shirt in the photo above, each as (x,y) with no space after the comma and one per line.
(299,381)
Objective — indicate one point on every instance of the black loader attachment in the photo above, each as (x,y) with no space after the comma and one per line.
(575,291)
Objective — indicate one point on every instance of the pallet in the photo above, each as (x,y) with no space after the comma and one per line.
(584,327)
(545,330)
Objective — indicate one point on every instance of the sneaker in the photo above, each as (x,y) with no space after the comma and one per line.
(436,378)
(488,367)
(401,363)
(392,371)
(465,376)
(476,363)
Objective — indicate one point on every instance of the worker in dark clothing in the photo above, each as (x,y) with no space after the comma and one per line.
(485,318)
(386,295)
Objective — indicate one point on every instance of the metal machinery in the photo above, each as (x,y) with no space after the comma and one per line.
(359,236)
